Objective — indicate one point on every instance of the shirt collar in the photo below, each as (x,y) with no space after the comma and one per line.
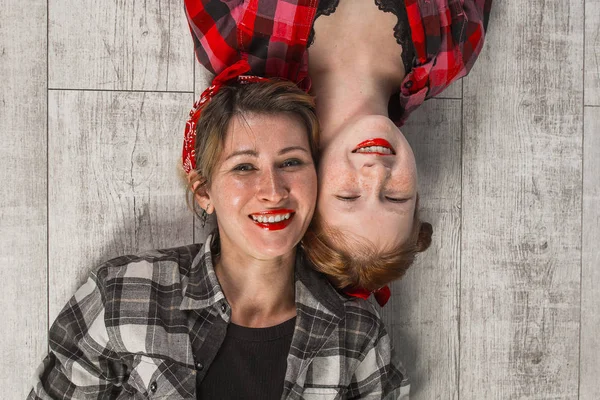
(201,288)
(313,289)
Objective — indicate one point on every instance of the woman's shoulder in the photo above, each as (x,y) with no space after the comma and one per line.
(145,263)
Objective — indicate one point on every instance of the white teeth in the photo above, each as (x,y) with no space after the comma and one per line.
(271,219)
(375,149)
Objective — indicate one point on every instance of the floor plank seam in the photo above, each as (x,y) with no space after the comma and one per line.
(119,90)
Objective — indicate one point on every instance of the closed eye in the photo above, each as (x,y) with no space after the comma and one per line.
(396,200)
(347,198)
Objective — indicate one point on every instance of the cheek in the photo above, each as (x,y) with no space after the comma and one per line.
(406,177)
(305,185)
(231,193)
(330,168)
(336,176)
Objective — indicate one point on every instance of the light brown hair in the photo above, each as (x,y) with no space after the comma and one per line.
(352,263)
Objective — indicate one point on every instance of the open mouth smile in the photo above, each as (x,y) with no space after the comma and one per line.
(377,146)
(273,220)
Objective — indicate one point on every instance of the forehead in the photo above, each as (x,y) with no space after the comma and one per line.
(258,131)
(384,228)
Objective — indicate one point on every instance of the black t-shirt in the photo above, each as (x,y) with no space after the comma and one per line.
(250,364)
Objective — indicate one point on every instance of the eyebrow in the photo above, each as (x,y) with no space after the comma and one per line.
(292,148)
(393,208)
(251,153)
(254,153)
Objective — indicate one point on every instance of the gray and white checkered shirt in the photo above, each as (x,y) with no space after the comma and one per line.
(149,326)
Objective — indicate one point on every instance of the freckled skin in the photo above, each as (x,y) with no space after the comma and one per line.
(374,181)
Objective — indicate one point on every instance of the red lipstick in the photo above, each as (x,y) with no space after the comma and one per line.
(375,142)
(262,219)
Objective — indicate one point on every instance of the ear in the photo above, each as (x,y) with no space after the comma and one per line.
(201,194)
(425,233)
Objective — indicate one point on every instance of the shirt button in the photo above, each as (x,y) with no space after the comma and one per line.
(223,307)
(199,366)
(408,84)
(153,387)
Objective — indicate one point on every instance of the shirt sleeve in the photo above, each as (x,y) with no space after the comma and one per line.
(379,375)
(476,16)
(80,363)
(213,25)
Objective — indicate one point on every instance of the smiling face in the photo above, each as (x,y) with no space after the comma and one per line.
(264,185)
(368,182)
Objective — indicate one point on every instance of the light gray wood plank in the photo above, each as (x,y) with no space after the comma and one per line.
(121,45)
(521,231)
(115,184)
(592,52)
(454,91)
(422,315)
(202,79)
(590,274)
(23,227)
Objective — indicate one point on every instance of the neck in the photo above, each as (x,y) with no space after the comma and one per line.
(344,93)
(261,292)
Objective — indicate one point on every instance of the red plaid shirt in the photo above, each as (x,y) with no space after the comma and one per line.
(447,36)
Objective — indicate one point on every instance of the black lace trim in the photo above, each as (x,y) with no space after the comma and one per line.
(325,7)
(401,30)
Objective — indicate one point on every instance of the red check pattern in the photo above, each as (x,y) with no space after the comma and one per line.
(273,34)
(447,36)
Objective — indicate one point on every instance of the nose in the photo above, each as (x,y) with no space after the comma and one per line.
(374,175)
(272,187)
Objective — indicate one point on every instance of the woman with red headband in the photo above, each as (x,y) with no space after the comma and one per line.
(242,316)
(371,64)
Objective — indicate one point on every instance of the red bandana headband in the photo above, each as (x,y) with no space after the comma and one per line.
(230,73)
(382,295)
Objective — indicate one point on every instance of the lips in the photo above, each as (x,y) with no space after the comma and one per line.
(377,146)
(273,220)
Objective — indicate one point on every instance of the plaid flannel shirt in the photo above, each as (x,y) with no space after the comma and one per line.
(149,326)
(447,36)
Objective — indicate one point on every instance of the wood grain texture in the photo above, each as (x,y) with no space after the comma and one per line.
(23,227)
(521,232)
(115,184)
(590,274)
(592,52)
(422,315)
(454,91)
(202,79)
(120,45)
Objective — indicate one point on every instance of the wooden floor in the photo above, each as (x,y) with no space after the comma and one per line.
(505,305)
